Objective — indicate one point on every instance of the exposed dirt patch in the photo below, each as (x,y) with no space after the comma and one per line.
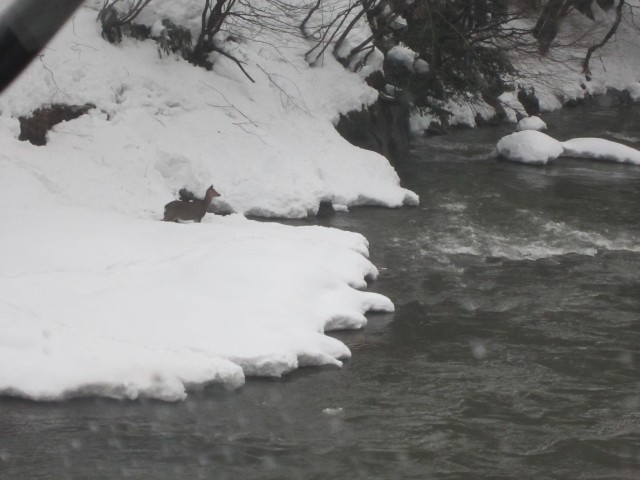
(35,127)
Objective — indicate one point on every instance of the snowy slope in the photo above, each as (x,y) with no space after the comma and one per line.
(270,147)
(97,296)
(558,77)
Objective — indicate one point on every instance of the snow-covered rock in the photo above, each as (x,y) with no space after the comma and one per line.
(634,91)
(529,146)
(601,149)
(511,106)
(421,67)
(531,123)
(398,23)
(402,55)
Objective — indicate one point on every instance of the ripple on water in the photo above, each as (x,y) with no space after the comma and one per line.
(538,238)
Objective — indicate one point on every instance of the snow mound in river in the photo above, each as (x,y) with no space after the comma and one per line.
(601,149)
(529,146)
(534,147)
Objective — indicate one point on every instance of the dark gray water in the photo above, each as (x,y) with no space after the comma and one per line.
(514,351)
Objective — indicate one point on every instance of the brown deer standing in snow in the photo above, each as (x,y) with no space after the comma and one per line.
(193,210)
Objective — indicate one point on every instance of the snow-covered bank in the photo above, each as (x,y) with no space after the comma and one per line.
(556,78)
(104,304)
(97,296)
(160,124)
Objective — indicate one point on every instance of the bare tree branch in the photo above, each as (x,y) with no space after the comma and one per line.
(607,37)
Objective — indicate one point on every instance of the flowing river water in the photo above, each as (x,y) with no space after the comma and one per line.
(514,351)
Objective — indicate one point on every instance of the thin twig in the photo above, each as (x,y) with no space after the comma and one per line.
(231,57)
(53,79)
(230,105)
(610,33)
(289,97)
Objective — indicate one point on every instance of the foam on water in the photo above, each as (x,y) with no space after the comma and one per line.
(542,239)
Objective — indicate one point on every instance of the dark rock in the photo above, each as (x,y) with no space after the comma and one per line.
(187,195)
(382,127)
(396,73)
(35,127)
(573,102)
(487,122)
(220,206)
(137,31)
(435,129)
(376,80)
(325,209)
(605,4)
(529,100)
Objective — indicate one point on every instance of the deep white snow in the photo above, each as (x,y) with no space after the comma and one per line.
(98,296)
(531,123)
(558,77)
(529,146)
(601,149)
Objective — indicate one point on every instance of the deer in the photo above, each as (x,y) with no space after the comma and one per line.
(189,210)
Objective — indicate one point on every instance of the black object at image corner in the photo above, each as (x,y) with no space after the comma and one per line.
(26,26)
